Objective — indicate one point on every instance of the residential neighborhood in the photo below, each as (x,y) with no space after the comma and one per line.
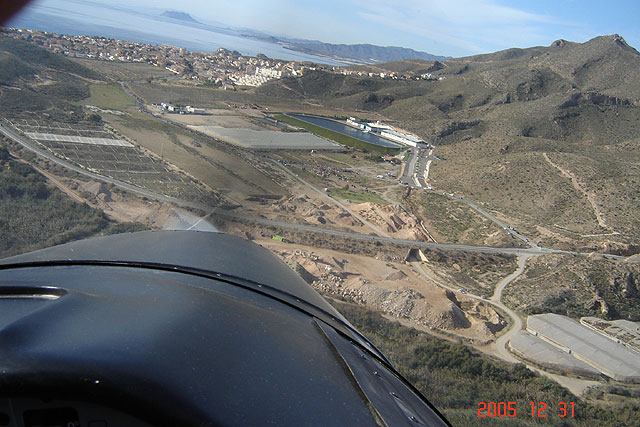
(224,68)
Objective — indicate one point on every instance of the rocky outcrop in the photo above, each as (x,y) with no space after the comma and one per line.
(98,189)
(396,275)
(629,285)
(593,98)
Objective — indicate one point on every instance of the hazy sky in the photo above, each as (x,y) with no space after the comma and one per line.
(445,27)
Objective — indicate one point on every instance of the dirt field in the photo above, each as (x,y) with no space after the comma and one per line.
(392,287)
(216,167)
(124,70)
(226,120)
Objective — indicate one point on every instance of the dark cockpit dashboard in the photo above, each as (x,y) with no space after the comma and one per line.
(184,328)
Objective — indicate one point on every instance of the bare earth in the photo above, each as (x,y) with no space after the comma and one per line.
(393,287)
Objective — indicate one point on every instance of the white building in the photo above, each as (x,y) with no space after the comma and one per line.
(385,131)
(270,73)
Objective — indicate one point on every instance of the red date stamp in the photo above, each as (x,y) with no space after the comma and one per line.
(537,410)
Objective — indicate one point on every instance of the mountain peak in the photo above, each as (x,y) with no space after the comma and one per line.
(180,16)
(559,43)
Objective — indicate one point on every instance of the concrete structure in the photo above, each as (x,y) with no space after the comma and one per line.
(262,75)
(378,127)
(542,353)
(352,121)
(268,72)
(267,139)
(250,80)
(402,138)
(77,139)
(386,131)
(621,331)
(179,110)
(193,110)
(611,358)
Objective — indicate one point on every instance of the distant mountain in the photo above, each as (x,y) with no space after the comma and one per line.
(180,16)
(364,53)
(353,53)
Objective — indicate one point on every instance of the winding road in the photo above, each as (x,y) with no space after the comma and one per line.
(516,325)
(499,346)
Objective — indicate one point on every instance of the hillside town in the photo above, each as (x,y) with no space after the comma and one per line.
(223,68)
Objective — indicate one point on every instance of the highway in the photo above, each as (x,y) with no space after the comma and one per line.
(282,224)
(187,221)
(514,233)
(416,168)
(381,239)
(415,171)
(409,169)
(416,174)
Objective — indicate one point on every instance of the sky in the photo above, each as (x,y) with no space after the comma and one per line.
(445,27)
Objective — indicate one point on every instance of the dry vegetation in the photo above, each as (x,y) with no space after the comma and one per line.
(577,286)
(450,221)
(124,71)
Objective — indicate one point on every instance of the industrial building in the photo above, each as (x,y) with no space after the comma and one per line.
(549,356)
(593,348)
(386,131)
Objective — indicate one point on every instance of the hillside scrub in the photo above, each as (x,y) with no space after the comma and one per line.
(455,379)
(34,215)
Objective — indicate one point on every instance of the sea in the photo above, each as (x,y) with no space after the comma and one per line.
(93,19)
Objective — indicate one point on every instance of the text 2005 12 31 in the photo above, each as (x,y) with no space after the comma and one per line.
(534,410)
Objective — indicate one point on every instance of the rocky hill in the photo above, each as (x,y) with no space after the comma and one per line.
(180,16)
(494,117)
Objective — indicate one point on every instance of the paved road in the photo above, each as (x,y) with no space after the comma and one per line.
(265,221)
(415,173)
(416,167)
(373,238)
(409,168)
(514,233)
